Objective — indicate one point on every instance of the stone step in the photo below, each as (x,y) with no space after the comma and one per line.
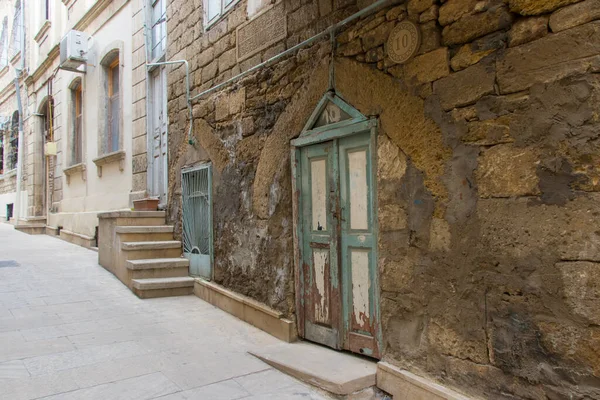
(151,245)
(32,229)
(330,370)
(158,263)
(163,287)
(145,229)
(135,218)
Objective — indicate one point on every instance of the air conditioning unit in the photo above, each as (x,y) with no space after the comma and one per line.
(74,51)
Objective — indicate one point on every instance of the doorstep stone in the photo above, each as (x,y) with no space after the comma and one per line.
(334,371)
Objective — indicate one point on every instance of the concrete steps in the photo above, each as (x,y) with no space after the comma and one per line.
(158,268)
(130,233)
(31,225)
(151,249)
(163,287)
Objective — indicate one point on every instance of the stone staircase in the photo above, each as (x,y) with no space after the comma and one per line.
(138,247)
(31,225)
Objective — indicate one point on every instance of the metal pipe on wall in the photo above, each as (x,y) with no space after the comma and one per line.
(18,212)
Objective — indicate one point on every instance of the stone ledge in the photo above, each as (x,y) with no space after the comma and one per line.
(45,28)
(404,385)
(77,238)
(74,169)
(115,156)
(132,214)
(247,309)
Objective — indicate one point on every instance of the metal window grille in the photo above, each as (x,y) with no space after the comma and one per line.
(197,219)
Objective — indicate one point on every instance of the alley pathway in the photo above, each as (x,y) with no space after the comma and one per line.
(70,330)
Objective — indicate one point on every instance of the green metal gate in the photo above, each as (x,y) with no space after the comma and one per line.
(197,219)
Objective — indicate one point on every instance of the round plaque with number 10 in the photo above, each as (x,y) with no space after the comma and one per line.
(403,42)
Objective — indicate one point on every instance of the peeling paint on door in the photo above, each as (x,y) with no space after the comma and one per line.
(357,168)
(359,260)
(318,175)
(321,297)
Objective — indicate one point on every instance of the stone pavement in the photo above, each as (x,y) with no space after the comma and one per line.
(70,330)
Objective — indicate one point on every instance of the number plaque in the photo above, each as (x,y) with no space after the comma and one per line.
(403,42)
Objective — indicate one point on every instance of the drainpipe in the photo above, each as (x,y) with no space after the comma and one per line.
(20,152)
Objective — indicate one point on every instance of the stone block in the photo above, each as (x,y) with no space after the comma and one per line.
(581,288)
(431,37)
(206,56)
(325,7)
(427,67)
(227,60)
(222,107)
(550,58)
(210,71)
(467,86)
(139,182)
(237,100)
(391,162)
(430,15)
(140,163)
(302,17)
(488,133)
(418,6)
(392,217)
(439,235)
(472,53)
(573,15)
(396,12)
(377,36)
(375,55)
(536,7)
(527,30)
(453,10)
(139,145)
(471,27)
(507,171)
(351,48)
(448,340)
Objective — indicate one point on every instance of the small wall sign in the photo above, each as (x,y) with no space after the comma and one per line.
(403,42)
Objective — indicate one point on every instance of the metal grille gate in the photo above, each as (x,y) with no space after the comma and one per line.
(197,219)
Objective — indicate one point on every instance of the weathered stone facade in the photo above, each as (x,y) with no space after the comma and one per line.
(487,177)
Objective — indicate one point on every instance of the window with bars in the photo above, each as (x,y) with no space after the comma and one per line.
(13,142)
(77,113)
(15,36)
(158,22)
(4,43)
(214,9)
(113,106)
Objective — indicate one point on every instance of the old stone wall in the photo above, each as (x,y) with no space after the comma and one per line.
(487,177)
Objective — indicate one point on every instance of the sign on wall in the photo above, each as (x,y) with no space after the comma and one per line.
(265,29)
(403,42)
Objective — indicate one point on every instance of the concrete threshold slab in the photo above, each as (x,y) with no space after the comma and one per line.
(328,369)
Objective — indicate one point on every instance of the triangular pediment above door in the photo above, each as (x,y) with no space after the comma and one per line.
(331,112)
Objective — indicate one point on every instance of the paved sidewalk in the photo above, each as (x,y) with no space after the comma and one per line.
(70,330)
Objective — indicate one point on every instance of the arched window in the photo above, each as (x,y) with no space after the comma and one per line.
(111,124)
(4,43)
(76,134)
(15,35)
(13,142)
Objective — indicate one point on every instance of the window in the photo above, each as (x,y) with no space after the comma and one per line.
(13,153)
(15,36)
(4,44)
(77,107)
(159,28)
(113,107)
(213,9)
(2,132)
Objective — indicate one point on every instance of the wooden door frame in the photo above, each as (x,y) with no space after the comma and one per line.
(358,124)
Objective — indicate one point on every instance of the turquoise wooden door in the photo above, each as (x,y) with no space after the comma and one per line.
(340,289)
(322,300)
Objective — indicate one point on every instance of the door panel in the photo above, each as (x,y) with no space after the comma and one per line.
(320,266)
(359,269)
